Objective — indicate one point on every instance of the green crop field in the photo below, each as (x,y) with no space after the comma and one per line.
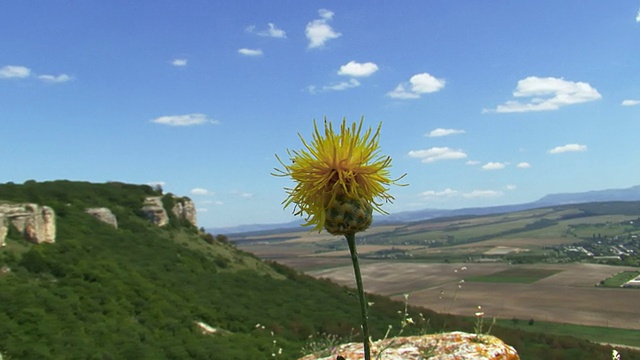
(597,334)
(621,278)
(515,275)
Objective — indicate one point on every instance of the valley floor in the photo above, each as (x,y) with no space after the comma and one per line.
(569,295)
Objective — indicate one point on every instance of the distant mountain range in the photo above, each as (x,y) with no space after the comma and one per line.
(628,194)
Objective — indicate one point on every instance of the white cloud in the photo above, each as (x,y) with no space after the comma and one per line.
(437,153)
(630,102)
(547,94)
(493,166)
(426,83)
(423,83)
(179,62)
(343,85)
(638,17)
(244,195)
(250,52)
(55,79)
(271,31)
(523,165)
(200,191)
(511,187)
(472,162)
(325,14)
(568,148)
(443,132)
(184,120)
(400,93)
(482,193)
(12,71)
(429,194)
(318,31)
(356,69)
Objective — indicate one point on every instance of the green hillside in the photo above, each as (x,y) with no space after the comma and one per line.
(136,292)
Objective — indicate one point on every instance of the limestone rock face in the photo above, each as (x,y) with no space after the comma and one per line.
(37,223)
(185,209)
(154,211)
(447,346)
(103,214)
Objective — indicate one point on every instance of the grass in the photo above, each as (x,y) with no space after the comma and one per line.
(619,279)
(516,275)
(598,334)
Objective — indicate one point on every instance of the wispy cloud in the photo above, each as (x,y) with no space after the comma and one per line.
(179,62)
(22,72)
(568,148)
(547,94)
(493,166)
(184,120)
(242,194)
(319,31)
(55,79)
(437,153)
(431,194)
(523,165)
(450,193)
(357,69)
(344,85)
(630,102)
(443,132)
(482,194)
(14,71)
(271,31)
(510,187)
(418,84)
(638,16)
(250,52)
(200,191)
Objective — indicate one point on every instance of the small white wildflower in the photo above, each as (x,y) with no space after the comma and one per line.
(410,321)
(406,296)
(455,271)
(370,303)
(257,325)
(464,268)
(280,351)
(615,355)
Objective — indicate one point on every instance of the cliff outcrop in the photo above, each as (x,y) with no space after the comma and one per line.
(103,214)
(35,222)
(182,208)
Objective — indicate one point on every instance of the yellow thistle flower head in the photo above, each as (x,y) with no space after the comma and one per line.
(339,178)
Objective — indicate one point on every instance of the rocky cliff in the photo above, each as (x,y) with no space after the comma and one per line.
(103,214)
(35,222)
(183,209)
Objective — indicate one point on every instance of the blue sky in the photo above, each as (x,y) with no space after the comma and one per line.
(482,103)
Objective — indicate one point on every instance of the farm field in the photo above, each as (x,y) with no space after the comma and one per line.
(569,295)
(528,265)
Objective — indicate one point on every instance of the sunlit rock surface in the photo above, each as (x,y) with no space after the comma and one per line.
(35,222)
(103,214)
(446,346)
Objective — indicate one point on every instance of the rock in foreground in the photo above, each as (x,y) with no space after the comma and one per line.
(447,346)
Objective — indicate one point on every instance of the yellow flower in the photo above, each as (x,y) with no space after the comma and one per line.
(338,170)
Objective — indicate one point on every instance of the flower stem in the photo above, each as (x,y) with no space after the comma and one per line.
(351,240)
